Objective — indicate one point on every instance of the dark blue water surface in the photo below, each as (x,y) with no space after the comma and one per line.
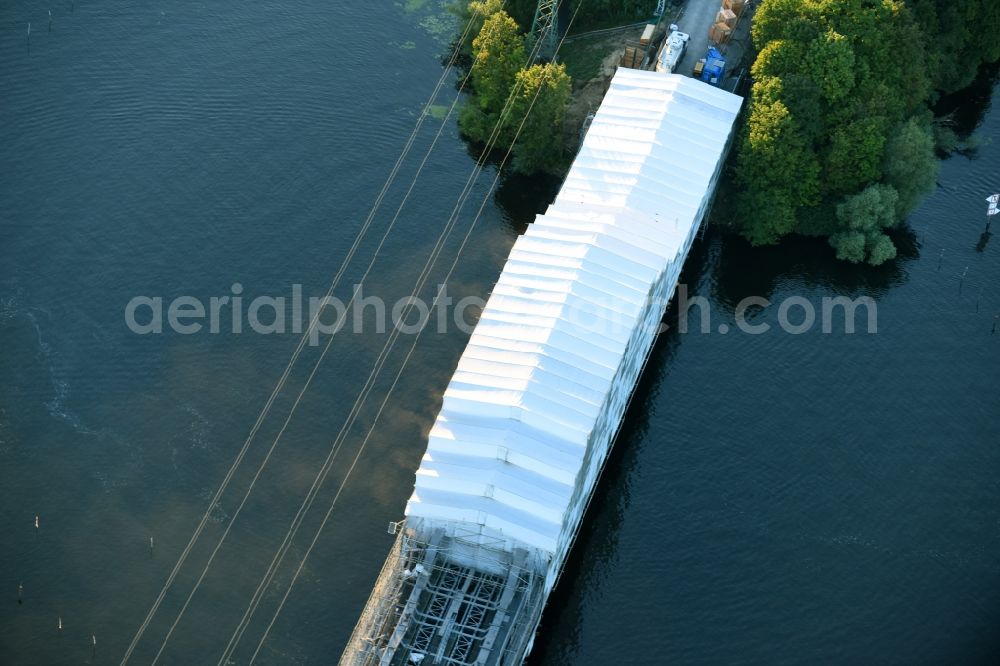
(776,498)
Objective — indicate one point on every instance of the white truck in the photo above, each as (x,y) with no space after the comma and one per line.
(672,51)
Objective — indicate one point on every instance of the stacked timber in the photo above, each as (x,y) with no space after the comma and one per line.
(647,34)
(735,6)
(632,57)
(726,16)
(719,33)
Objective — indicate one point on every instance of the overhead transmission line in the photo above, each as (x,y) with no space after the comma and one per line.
(399,373)
(369,384)
(302,391)
(299,397)
(432,260)
(298,350)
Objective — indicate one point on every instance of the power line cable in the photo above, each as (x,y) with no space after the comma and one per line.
(362,396)
(298,399)
(392,387)
(287,371)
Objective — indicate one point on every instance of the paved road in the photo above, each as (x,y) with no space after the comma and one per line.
(696,18)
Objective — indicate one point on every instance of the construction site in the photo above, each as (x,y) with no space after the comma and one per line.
(593,57)
(533,409)
(535,404)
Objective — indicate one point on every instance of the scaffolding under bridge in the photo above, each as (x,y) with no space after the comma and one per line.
(449,599)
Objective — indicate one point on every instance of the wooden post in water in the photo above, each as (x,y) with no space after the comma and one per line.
(20,586)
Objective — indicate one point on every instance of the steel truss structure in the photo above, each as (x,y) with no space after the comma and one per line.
(545,28)
(449,599)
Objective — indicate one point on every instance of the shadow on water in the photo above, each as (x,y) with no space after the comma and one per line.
(522,197)
(519,196)
(810,262)
(597,540)
(984,240)
(725,265)
(968,107)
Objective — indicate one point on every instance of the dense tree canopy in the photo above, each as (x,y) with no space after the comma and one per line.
(602,13)
(862,217)
(779,171)
(960,35)
(498,55)
(838,113)
(540,102)
(476,13)
(515,105)
(910,164)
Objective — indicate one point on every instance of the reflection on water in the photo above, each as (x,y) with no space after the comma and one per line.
(803,491)
(966,109)
(984,240)
(806,263)
(522,197)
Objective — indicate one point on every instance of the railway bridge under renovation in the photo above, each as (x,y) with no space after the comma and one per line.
(533,408)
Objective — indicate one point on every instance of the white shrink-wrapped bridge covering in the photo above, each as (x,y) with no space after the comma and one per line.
(539,393)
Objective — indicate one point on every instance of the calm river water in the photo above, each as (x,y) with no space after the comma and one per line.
(773,499)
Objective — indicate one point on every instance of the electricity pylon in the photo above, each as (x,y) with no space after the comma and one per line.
(545,29)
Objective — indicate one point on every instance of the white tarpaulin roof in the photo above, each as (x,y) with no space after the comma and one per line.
(508,445)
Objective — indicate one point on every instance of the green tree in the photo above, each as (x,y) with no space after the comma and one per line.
(804,99)
(776,19)
(591,14)
(872,209)
(779,170)
(476,13)
(514,107)
(603,13)
(863,219)
(542,93)
(779,58)
(960,35)
(910,163)
(880,250)
(855,157)
(484,9)
(830,60)
(523,12)
(498,55)
(850,246)
(839,90)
